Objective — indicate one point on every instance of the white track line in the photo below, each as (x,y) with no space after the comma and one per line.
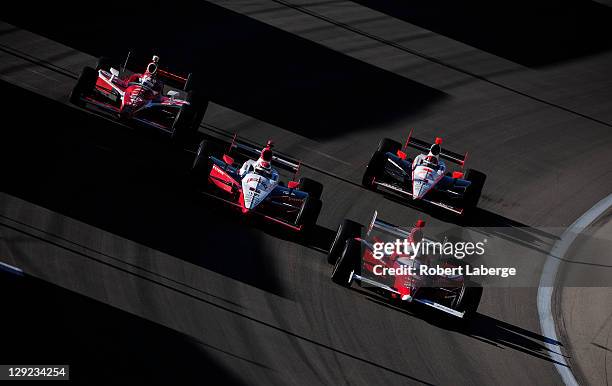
(10,268)
(545,290)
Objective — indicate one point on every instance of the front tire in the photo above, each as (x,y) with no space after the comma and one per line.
(388,145)
(347,230)
(348,263)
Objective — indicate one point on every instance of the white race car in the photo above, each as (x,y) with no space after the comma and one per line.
(425,178)
(255,187)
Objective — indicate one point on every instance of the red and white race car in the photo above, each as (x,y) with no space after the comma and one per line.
(153,97)
(254,187)
(398,275)
(424,178)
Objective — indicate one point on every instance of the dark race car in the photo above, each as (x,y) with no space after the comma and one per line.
(254,187)
(397,276)
(424,178)
(150,97)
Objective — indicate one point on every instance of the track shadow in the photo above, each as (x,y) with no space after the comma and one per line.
(489,224)
(102,344)
(246,65)
(319,238)
(481,327)
(532,33)
(133,186)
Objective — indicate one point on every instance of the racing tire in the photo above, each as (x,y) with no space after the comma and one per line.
(469,299)
(377,161)
(190,82)
(200,170)
(126,114)
(348,263)
(183,127)
(310,214)
(187,121)
(347,230)
(85,83)
(388,145)
(373,170)
(310,186)
(104,63)
(477,180)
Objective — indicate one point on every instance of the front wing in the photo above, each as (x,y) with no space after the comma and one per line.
(263,215)
(398,190)
(398,170)
(427,302)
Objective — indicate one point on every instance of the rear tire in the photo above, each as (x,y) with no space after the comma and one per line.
(200,170)
(85,84)
(191,82)
(377,162)
(373,170)
(312,187)
(473,192)
(347,230)
(187,121)
(388,145)
(104,63)
(348,262)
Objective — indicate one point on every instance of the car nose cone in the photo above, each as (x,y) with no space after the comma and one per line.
(418,190)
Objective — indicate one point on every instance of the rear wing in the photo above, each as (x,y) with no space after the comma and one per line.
(444,154)
(377,223)
(139,64)
(397,231)
(252,151)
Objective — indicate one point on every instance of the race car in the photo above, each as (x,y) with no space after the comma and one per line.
(152,97)
(426,177)
(254,187)
(398,276)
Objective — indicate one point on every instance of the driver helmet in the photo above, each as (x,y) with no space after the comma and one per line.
(416,234)
(264,163)
(148,78)
(434,154)
(152,66)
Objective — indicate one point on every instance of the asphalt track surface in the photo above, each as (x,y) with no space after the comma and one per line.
(105,212)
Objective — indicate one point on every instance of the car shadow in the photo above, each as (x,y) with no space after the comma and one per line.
(480,327)
(531,33)
(248,66)
(318,238)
